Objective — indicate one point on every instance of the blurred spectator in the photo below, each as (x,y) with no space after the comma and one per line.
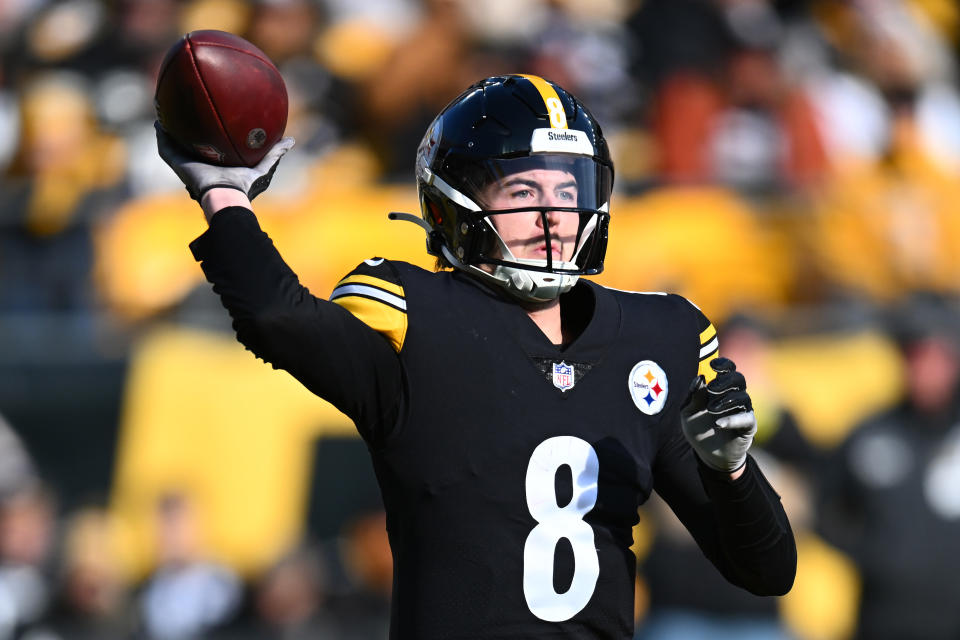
(72,35)
(352,529)
(26,537)
(888,228)
(583,45)
(673,37)
(17,471)
(340,591)
(748,341)
(92,600)
(886,224)
(426,70)
(295,600)
(143,31)
(289,597)
(64,176)
(9,123)
(362,603)
(721,108)
(187,595)
(677,51)
(892,499)
(27,528)
(892,61)
(284,29)
(766,138)
(366,553)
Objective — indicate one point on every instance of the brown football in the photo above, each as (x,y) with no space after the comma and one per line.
(221,98)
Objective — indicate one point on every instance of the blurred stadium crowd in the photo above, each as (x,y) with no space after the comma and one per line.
(791,166)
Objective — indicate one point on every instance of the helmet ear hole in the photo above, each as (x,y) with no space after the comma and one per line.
(435,212)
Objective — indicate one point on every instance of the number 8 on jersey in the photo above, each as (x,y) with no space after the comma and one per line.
(555,522)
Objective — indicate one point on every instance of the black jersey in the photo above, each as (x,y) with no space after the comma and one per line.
(511,468)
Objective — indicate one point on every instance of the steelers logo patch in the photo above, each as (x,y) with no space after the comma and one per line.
(648,387)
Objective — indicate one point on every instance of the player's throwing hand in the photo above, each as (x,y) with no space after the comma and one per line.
(199,177)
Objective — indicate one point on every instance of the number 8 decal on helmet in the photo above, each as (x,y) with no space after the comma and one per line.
(557,117)
(555,522)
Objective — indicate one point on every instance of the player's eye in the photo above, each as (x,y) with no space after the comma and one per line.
(568,195)
(522,194)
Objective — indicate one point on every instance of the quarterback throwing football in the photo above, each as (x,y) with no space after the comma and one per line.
(517,415)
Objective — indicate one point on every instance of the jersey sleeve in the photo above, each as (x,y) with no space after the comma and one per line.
(322,344)
(709,345)
(740,525)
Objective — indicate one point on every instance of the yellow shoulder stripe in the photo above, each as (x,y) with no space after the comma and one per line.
(709,349)
(707,334)
(382,318)
(705,370)
(558,119)
(374,282)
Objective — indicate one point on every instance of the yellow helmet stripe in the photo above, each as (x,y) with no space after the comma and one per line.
(558,119)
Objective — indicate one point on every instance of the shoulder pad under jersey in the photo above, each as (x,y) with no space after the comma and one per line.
(374,294)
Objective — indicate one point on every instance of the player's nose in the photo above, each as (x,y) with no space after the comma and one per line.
(553,216)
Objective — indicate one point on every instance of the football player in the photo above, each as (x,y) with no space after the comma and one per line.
(516,414)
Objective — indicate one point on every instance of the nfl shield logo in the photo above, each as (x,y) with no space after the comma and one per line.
(562,376)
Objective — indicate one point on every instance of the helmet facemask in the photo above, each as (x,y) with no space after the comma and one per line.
(560,235)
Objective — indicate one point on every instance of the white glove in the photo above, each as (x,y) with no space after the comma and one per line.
(718,419)
(200,177)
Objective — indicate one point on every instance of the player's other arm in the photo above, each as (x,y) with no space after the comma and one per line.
(704,472)
(740,525)
(717,416)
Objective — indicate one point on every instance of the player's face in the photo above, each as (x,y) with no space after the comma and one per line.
(523,232)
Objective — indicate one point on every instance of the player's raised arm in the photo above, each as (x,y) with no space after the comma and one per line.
(275,316)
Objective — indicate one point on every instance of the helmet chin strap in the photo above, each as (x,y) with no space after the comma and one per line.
(535,286)
(523,284)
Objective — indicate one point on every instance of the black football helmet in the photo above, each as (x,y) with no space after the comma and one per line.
(501,126)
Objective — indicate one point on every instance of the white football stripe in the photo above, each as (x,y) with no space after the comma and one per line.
(710,348)
(371,292)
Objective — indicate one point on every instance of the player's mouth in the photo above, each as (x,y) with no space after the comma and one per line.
(555,249)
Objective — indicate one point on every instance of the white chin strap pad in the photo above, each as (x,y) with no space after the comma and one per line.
(534,286)
(524,284)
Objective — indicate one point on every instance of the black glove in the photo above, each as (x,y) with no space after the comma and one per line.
(200,177)
(718,419)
